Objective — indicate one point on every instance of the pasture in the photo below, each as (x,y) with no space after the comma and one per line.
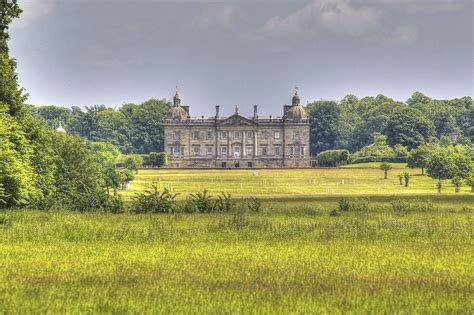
(359,179)
(294,256)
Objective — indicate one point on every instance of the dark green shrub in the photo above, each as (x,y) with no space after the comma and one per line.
(154,201)
(202,202)
(403,206)
(333,157)
(406,175)
(353,205)
(224,203)
(156,159)
(254,204)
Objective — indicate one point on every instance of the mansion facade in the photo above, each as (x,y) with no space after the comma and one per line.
(237,141)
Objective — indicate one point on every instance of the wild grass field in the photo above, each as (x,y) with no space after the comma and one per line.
(358,179)
(401,250)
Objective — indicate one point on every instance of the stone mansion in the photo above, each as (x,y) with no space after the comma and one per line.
(237,141)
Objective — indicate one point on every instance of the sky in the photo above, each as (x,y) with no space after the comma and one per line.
(84,52)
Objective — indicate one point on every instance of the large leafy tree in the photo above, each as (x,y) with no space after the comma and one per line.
(408,127)
(324,125)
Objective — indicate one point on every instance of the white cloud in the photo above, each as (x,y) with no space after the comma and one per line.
(219,15)
(365,19)
(32,10)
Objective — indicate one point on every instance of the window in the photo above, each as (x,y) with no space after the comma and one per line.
(170,150)
(302,151)
(277,135)
(296,134)
(195,135)
(177,150)
(224,164)
(249,164)
(264,151)
(292,150)
(249,135)
(209,135)
(277,150)
(237,151)
(224,151)
(237,135)
(176,135)
(223,135)
(196,150)
(264,135)
(209,150)
(249,149)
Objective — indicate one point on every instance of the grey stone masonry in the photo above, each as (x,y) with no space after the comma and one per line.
(237,141)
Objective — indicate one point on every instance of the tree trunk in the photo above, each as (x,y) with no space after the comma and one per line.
(385,174)
(457,189)
(422,171)
(472,188)
(115,191)
(440,186)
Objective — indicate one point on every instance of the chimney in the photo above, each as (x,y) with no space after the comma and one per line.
(255,111)
(217,112)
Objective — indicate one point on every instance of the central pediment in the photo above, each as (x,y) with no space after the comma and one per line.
(236,119)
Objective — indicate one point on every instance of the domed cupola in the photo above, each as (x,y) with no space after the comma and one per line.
(177,112)
(295,112)
(296,98)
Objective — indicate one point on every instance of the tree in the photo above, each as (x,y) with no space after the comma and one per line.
(385,167)
(447,163)
(418,98)
(406,175)
(133,162)
(457,182)
(418,158)
(409,128)
(324,125)
(470,181)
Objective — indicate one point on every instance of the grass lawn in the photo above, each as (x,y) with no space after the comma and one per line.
(292,257)
(366,179)
(293,260)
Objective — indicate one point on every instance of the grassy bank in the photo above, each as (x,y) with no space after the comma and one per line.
(291,258)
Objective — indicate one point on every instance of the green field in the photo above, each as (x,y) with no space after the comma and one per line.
(359,179)
(292,257)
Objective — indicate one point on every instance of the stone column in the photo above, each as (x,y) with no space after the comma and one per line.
(244,137)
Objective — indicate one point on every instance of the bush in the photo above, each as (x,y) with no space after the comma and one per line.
(353,204)
(156,159)
(154,201)
(224,203)
(333,157)
(202,202)
(403,206)
(254,204)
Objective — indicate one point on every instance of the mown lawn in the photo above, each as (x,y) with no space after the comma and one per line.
(361,179)
(293,257)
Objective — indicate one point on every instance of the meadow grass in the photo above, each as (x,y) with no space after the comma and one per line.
(291,258)
(366,179)
(402,250)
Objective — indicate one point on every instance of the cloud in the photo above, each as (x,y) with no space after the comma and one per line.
(419,6)
(219,15)
(337,16)
(364,19)
(32,10)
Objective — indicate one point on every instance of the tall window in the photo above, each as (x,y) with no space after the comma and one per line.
(224,151)
(196,150)
(237,135)
(176,135)
(264,151)
(170,150)
(237,151)
(177,150)
(209,135)
(277,135)
(264,135)
(302,151)
(249,135)
(209,150)
(278,151)
(195,135)
(249,150)
(223,135)
(292,150)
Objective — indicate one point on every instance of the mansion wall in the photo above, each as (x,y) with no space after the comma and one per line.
(236,141)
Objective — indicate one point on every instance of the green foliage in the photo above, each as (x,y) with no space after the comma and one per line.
(202,202)
(379,149)
(408,127)
(324,125)
(353,205)
(418,158)
(406,176)
(385,167)
(154,201)
(224,202)
(404,206)
(457,182)
(156,159)
(133,162)
(254,204)
(333,157)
